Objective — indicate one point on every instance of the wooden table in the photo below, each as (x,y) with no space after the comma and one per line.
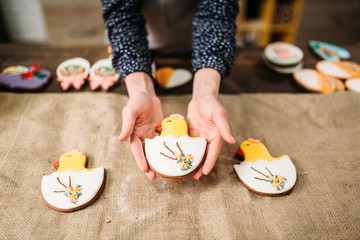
(249,73)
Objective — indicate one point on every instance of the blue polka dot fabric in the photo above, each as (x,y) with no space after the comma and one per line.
(213,38)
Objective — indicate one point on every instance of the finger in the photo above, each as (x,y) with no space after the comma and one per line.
(198,173)
(136,147)
(128,123)
(151,175)
(212,154)
(224,128)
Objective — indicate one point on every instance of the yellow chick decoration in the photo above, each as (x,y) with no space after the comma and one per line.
(174,125)
(253,150)
(74,161)
(174,154)
(72,186)
(262,173)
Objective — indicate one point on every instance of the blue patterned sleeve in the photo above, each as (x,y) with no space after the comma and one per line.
(214,32)
(127,35)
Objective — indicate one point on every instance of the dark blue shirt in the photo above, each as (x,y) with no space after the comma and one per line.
(213,38)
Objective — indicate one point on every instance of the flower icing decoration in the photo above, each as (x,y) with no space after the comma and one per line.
(277,181)
(253,140)
(73,193)
(178,116)
(77,152)
(184,160)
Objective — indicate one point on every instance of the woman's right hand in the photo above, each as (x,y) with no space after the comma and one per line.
(140,116)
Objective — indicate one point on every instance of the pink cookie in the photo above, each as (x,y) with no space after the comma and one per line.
(102,74)
(73,72)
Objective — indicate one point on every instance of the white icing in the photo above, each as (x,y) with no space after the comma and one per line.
(169,167)
(283,167)
(73,61)
(353,84)
(329,68)
(309,78)
(272,56)
(106,62)
(178,78)
(90,181)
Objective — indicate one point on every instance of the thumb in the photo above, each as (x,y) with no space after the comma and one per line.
(223,127)
(129,118)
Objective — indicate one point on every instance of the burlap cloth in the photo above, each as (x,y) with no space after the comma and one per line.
(321,134)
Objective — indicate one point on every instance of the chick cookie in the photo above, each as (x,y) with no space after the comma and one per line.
(262,173)
(174,154)
(72,186)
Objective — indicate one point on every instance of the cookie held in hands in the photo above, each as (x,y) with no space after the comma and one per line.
(174,154)
(262,173)
(72,186)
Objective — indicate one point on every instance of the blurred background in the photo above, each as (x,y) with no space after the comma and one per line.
(72,23)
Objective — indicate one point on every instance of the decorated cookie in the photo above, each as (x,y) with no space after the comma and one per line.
(262,173)
(24,78)
(174,154)
(72,186)
(328,51)
(280,69)
(102,74)
(73,72)
(168,77)
(283,54)
(353,84)
(315,81)
(341,69)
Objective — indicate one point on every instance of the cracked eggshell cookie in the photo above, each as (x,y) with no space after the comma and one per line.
(72,186)
(262,173)
(174,154)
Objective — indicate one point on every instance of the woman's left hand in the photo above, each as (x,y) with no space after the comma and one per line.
(207,117)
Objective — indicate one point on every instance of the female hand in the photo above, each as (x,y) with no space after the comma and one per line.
(140,116)
(207,117)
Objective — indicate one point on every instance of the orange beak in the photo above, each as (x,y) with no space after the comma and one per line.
(56,165)
(158,128)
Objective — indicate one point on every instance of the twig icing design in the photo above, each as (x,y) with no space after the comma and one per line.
(184,160)
(276,181)
(73,193)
